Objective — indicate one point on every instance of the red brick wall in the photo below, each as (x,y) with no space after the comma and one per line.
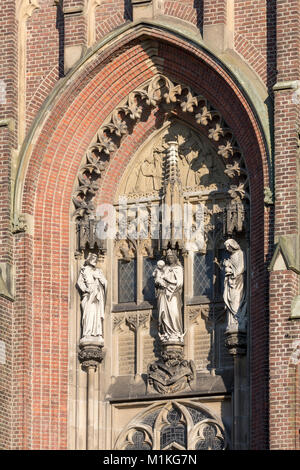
(255,36)
(297,406)
(214,11)
(109,15)
(187,10)
(284,285)
(283,288)
(8,71)
(44,63)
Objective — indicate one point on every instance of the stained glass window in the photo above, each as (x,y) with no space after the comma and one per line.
(127,281)
(221,257)
(148,281)
(176,432)
(138,442)
(197,415)
(203,274)
(211,441)
(167,429)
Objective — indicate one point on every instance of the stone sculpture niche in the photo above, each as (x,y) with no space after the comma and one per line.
(92,286)
(171,373)
(168,279)
(235,297)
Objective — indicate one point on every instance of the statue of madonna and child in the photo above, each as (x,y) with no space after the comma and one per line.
(168,278)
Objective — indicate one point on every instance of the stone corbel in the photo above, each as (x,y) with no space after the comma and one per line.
(90,355)
(23,223)
(236,342)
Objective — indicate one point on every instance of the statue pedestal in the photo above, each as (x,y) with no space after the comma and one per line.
(236,342)
(171,373)
(90,352)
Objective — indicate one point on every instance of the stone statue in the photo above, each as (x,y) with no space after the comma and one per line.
(168,280)
(93,287)
(234,287)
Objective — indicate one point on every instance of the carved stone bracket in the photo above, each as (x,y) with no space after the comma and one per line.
(90,355)
(172,373)
(20,225)
(236,342)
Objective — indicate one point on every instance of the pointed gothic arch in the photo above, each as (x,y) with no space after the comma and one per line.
(55,152)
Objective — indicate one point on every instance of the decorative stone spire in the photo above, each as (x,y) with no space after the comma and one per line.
(172,170)
(173,200)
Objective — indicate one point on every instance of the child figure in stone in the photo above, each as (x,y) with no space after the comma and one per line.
(158,274)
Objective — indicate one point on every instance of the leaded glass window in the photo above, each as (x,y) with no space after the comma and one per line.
(148,281)
(221,274)
(175,432)
(127,281)
(166,427)
(203,274)
(138,442)
(210,440)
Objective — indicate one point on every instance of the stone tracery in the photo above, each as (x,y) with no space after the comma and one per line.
(175,425)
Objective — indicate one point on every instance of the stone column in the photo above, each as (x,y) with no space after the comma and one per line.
(236,343)
(90,356)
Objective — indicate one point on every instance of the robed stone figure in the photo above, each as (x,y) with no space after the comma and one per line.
(169,282)
(93,286)
(234,287)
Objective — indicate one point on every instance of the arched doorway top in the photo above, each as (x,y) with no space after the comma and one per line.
(104,53)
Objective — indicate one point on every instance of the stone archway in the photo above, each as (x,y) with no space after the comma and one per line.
(54,157)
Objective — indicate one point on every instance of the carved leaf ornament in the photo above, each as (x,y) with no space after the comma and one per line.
(156,92)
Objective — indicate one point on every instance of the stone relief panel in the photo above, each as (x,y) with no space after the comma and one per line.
(199,165)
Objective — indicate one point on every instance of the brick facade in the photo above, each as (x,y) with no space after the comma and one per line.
(64,108)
